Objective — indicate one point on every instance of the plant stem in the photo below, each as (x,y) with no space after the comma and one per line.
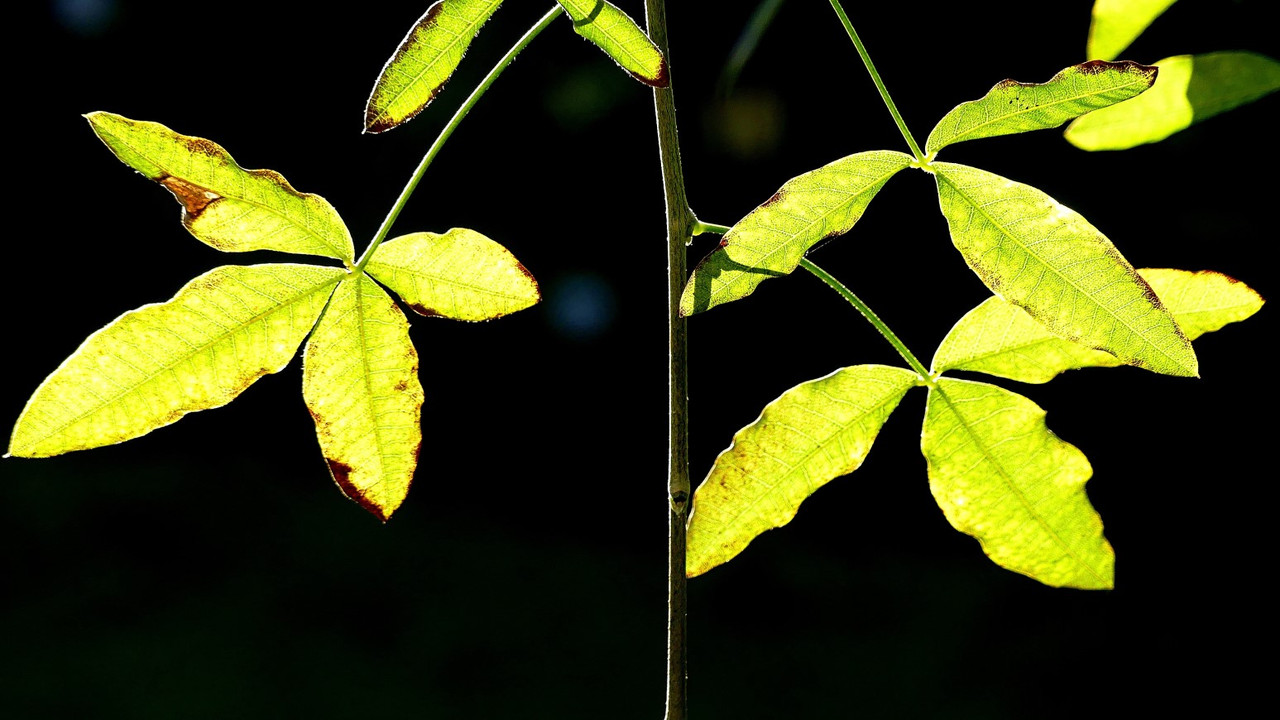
(875,77)
(434,150)
(680,225)
(871,317)
(700,227)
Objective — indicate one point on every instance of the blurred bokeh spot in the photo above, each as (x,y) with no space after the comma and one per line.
(581,306)
(746,125)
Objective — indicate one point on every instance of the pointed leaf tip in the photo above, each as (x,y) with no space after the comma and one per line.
(424,61)
(224,205)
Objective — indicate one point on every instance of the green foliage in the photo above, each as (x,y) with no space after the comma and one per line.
(999,338)
(1191,88)
(1014,107)
(424,61)
(619,37)
(230,326)
(770,240)
(1116,23)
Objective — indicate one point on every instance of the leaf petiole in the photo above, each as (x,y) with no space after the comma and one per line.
(872,318)
(875,77)
(475,96)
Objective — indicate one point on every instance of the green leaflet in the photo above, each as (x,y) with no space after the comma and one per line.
(1000,475)
(423,62)
(461,275)
(614,32)
(1000,339)
(813,433)
(224,205)
(199,350)
(1191,88)
(1048,260)
(1116,23)
(1014,107)
(360,382)
(771,239)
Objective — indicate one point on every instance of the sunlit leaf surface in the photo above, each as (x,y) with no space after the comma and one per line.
(461,275)
(360,382)
(1116,23)
(1190,88)
(814,432)
(149,367)
(1048,260)
(1001,339)
(614,32)
(771,239)
(224,205)
(1000,475)
(1014,107)
(423,62)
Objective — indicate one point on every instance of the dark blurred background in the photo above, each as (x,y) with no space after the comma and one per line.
(213,570)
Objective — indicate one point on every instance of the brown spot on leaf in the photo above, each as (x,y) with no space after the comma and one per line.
(342,476)
(401,385)
(203,147)
(194,198)
(776,197)
(425,311)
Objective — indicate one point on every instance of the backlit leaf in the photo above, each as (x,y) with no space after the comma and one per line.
(360,382)
(771,239)
(461,275)
(1191,88)
(1000,475)
(224,205)
(1014,107)
(199,350)
(1117,23)
(1000,339)
(1048,260)
(813,433)
(620,37)
(423,62)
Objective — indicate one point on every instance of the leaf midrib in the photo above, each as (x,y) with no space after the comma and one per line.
(1008,480)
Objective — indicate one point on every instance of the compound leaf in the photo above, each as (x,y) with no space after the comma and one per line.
(1014,107)
(1000,475)
(813,433)
(1048,260)
(1001,339)
(199,350)
(461,275)
(614,32)
(1117,23)
(1191,88)
(224,205)
(360,382)
(771,239)
(423,62)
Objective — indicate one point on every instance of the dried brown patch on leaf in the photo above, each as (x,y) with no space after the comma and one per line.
(194,198)
(341,473)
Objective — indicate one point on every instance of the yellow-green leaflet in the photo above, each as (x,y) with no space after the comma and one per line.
(360,382)
(423,62)
(150,366)
(1116,23)
(1014,107)
(224,205)
(1000,475)
(771,239)
(1000,339)
(1190,88)
(614,32)
(1048,260)
(813,433)
(461,275)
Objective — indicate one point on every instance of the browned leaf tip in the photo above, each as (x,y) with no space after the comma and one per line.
(661,80)
(341,473)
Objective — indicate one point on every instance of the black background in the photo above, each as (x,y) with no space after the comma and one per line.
(213,570)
